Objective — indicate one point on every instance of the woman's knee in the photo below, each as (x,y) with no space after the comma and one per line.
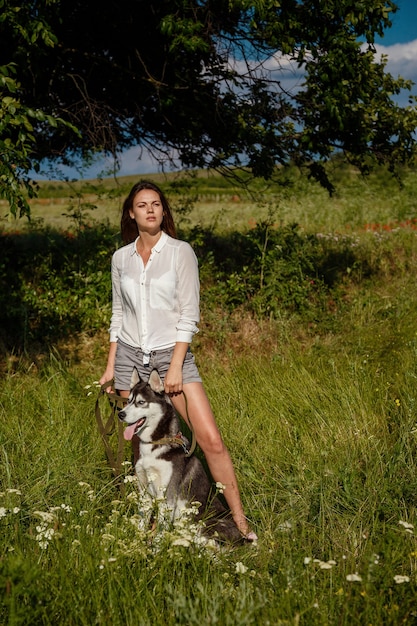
(212,444)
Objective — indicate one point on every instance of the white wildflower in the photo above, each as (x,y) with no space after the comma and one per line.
(45,516)
(354,578)
(307,560)
(15,510)
(401,579)
(3,511)
(181,541)
(17,491)
(220,487)
(44,535)
(240,568)
(408,527)
(95,383)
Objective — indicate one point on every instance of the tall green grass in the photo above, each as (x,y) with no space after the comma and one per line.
(324,444)
(209,200)
(308,351)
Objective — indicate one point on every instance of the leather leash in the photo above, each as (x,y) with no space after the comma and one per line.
(108,427)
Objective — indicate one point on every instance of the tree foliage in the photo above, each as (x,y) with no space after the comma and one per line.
(21,122)
(207,81)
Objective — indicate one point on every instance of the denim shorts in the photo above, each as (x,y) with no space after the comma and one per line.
(128,357)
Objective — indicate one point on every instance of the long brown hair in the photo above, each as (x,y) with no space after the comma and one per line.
(128,226)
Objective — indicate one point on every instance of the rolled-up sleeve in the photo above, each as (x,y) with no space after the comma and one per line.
(188,293)
(117,310)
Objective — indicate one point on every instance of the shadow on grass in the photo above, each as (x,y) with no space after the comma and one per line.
(57,283)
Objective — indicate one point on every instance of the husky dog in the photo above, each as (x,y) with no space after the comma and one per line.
(163,468)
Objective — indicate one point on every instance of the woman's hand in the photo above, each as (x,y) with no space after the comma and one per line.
(173,380)
(108,375)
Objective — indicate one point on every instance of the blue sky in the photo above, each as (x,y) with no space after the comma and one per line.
(404,24)
(399,44)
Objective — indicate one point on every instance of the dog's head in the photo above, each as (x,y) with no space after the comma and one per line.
(145,406)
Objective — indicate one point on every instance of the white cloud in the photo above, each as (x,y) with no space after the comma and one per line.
(401,59)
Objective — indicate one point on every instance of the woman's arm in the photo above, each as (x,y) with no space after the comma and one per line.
(109,372)
(188,286)
(173,378)
(188,293)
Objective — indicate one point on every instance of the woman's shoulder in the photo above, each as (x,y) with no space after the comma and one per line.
(178,243)
(124,251)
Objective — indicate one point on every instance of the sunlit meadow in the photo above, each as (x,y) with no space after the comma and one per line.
(319,413)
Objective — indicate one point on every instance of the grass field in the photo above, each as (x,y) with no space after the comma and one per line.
(319,413)
(210,201)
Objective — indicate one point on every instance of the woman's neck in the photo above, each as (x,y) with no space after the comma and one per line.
(147,240)
(145,243)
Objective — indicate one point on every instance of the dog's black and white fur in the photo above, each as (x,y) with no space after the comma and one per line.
(164,470)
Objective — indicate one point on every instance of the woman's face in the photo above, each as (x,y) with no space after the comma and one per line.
(147,211)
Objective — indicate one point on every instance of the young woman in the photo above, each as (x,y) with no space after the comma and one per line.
(155,313)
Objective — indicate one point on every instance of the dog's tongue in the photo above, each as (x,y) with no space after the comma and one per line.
(130,430)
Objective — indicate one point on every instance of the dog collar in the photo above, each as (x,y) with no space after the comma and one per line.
(176,440)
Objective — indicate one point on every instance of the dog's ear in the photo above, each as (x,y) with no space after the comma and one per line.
(155,382)
(135,378)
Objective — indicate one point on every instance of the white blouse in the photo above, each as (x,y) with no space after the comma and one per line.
(157,304)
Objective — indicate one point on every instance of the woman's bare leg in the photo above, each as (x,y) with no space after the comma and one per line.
(207,434)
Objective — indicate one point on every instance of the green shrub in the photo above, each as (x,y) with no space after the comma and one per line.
(56,283)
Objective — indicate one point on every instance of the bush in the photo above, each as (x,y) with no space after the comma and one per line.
(56,284)
(53,284)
